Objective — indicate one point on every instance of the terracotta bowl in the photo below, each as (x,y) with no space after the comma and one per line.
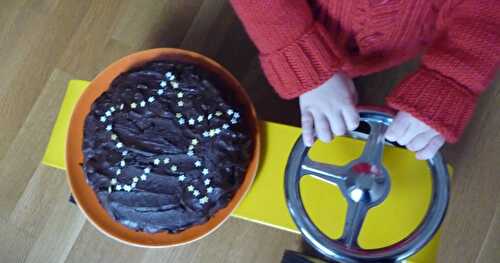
(85,196)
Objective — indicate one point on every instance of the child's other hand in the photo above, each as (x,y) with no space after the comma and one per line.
(415,135)
(330,108)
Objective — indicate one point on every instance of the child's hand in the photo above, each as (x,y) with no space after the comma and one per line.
(415,135)
(330,108)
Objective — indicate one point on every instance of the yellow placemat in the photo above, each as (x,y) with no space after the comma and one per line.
(388,223)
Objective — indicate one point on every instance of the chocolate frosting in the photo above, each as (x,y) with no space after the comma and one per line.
(165,147)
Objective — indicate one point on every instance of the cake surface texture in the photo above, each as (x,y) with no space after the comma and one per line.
(165,147)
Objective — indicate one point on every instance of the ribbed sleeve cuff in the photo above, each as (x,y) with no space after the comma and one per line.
(302,65)
(438,101)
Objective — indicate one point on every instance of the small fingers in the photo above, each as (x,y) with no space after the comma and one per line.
(431,149)
(397,128)
(307,128)
(337,123)
(351,118)
(322,127)
(421,140)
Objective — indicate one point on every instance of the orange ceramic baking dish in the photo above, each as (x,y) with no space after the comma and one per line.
(85,196)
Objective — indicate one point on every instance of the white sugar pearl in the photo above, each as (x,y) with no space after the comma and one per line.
(144,177)
(156,161)
(113,181)
(163,84)
(166,160)
(180,95)
(147,170)
(160,91)
(182,178)
(200,118)
(151,99)
(119,145)
(173,168)
(191,121)
(102,119)
(197,164)
(108,113)
(190,188)
(205,171)
(180,103)
(194,141)
(135,179)
(210,189)
(142,104)
(207,181)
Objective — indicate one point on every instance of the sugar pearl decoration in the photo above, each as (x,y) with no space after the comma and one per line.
(102,119)
(127,188)
(206,134)
(190,188)
(124,152)
(122,163)
(113,137)
(109,127)
(194,141)
(180,95)
(144,177)
(230,112)
(163,84)
(204,200)
(151,99)
(173,168)
(119,171)
(156,161)
(205,171)
(142,104)
(112,109)
(147,170)
(181,121)
(210,189)
(236,115)
(135,179)
(209,116)
(174,84)
(133,184)
(118,187)
(191,121)
(113,181)
(196,193)
(190,153)
(197,164)
(182,178)
(178,115)
(225,126)
(218,113)
(180,103)
(207,181)
(166,160)
(200,118)
(108,113)
(160,91)
(119,145)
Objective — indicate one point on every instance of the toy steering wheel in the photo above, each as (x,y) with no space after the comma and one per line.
(364,183)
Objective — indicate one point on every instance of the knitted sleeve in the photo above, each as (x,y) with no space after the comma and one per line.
(297,54)
(457,67)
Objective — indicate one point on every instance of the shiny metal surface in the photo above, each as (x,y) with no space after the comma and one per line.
(364,183)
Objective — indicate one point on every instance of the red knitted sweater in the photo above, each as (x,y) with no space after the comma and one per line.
(303,43)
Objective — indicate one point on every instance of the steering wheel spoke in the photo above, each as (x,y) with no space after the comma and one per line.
(356,213)
(325,172)
(374,146)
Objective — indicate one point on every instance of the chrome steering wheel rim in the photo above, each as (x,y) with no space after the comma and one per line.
(364,183)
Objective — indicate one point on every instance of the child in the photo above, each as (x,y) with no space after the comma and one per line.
(312,49)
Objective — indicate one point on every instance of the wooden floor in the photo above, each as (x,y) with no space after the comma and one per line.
(45,43)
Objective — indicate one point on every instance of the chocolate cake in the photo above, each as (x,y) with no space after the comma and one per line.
(165,147)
